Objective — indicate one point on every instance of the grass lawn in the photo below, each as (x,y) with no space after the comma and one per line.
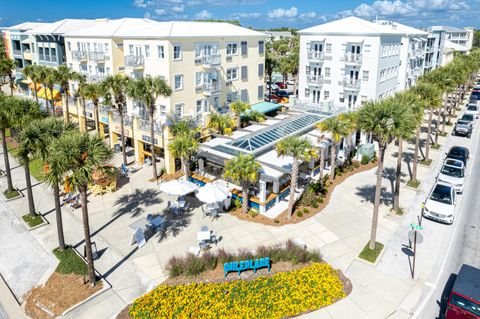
(32,221)
(70,262)
(412,183)
(426,162)
(36,165)
(11,194)
(369,254)
(436,146)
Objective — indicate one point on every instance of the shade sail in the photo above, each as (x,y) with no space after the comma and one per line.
(178,187)
(213,192)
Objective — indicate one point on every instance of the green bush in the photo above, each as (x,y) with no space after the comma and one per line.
(238,203)
(355,165)
(276,221)
(253,212)
(306,210)
(70,262)
(299,213)
(193,265)
(315,203)
(365,159)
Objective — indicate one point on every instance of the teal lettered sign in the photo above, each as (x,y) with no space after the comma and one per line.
(240,266)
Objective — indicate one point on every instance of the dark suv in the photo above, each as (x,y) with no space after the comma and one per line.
(460,153)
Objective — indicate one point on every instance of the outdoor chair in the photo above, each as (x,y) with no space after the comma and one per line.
(125,171)
(75,203)
(214,239)
(112,186)
(203,245)
(194,251)
(204,228)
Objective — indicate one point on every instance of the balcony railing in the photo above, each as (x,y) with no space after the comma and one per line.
(211,60)
(211,88)
(96,78)
(134,61)
(144,125)
(353,58)
(96,56)
(316,56)
(79,55)
(428,64)
(429,49)
(17,52)
(316,80)
(127,120)
(352,84)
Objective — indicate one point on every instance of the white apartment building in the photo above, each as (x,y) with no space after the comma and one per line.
(463,37)
(412,53)
(348,62)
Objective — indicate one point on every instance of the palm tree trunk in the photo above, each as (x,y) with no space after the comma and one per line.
(122,137)
(322,163)
(84,113)
(67,111)
(415,154)
(270,87)
(185,168)
(239,121)
(35,88)
(46,98)
(52,102)
(97,119)
(245,199)
(152,143)
(378,190)
(10,78)
(333,160)
(28,181)
(86,233)
(58,217)
(396,196)
(295,82)
(7,161)
(293,187)
(437,131)
(429,135)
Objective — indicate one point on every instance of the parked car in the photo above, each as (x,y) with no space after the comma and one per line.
(273,85)
(470,118)
(463,128)
(464,299)
(472,109)
(273,98)
(459,153)
(440,203)
(281,93)
(280,85)
(453,173)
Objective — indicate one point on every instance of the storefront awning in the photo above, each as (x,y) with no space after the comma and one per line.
(46,91)
(265,107)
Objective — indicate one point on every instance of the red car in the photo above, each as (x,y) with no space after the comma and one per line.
(464,300)
(280,85)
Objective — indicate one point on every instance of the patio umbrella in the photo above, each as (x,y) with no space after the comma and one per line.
(213,192)
(178,187)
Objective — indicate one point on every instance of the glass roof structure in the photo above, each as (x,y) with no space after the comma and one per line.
(261,140)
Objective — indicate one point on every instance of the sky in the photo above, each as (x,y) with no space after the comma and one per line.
(260,14)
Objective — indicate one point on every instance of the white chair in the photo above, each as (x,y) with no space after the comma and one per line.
(194,250)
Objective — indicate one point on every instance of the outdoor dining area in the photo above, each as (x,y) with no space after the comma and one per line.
(104,180)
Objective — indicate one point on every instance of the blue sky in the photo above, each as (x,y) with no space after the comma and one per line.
(256,13)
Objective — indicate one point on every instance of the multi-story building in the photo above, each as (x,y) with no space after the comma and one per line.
(434,50)
(412,53)
(347,62)
(208,65)
(463,37)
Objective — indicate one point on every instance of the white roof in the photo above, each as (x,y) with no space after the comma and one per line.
(62,26)
(271,157)
(26,26)
(404,29)
(350,26)
(146,28)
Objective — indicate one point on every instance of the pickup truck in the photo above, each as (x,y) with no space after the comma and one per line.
(463,128)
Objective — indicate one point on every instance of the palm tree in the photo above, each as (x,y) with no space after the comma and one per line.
(43,73)
(429,95)
(184,146)
(82,83)
(254,116)
(94,92)
(50,81)
(321,142)
(238,108)
(221,123)
(148,90)
(115,87)
(349,120)
(243,170)
(7,67)
(31,71)
(63,76)
(270,65)
(79,155)
(9,110)
(337,128)
(43,133)
(378,118)
(418,111)
(301,150)
(404,126)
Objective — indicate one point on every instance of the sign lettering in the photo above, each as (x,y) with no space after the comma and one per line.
(242,265)
(147,139)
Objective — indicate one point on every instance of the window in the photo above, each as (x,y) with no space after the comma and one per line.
(261,47)
(178,111)
(178,82)
(244,48)
(341,97)
(328,48)
(199,106)
(260,69)
(244,73)
(307,70)
(307,92)
(198,78)
(327,72)
(232,48)
(147,51)
(326,95)
(232,97)
(232,74)
(177,52)
(260,92)
(69,46)
(465,304)
(107,70)
(160,52)
(244,95)
(365,75)
(106,48)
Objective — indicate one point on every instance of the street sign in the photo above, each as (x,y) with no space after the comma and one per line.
(416,227)
(411,236)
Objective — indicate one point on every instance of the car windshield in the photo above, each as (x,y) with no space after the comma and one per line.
(457,152)
(452,171)
(462,122)
(465,304)
(467,117)
(472,108)
(441,194)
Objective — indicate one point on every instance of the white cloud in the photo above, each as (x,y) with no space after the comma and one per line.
(160,12)
(142,3)
(384,8)
(308,15)
(147,15)
(246,15)
(178,9)
(203,15)
(281,13)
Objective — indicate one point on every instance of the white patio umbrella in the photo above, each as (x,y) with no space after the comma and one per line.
(213,192)
(178,187)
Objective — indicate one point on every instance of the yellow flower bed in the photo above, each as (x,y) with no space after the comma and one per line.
(282,295)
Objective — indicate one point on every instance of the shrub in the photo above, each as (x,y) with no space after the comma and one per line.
(276,221)
(210,260)
(315,203)
(253,212)
(193,265)
(223,256)
(365,159)
(238,203)
(299,213)
(306,210)
(175,267)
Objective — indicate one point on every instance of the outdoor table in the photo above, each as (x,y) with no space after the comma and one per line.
(213,206)
(141,223)
(203,235)
(182,203)
(157,221)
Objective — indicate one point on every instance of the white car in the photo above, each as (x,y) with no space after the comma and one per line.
(453,173)
(440,204)
(472,109)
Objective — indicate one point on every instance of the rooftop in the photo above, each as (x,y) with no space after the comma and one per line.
(350,26)
(26,26)
(468,282)
(405,29)
(62,26)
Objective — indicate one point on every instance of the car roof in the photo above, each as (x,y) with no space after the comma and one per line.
(442,186)
(467,282)
(467,116)
(458,148)
(472,106)
(454,162)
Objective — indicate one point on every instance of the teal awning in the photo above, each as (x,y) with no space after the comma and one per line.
(265,107)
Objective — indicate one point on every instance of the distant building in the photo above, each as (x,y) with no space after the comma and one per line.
(276,35)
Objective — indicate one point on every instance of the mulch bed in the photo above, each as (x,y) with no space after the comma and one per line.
(282,219)
(58,294)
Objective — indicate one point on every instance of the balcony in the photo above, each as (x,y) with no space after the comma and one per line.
(96,56)
(144,125)
(209,61)
(134,61)
(79,56)
(96,78)
(353,58)
(17,52)
(351,84)
(211,88)
(429,49)
(428,64)
(316,56)
(315,80)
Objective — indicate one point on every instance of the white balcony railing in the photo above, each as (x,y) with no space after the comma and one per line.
(316,80)
(316,56)
(211,60)
(134,61)
(210,88)
(352,84)
(353,58)
(144,125)
(17,52)
(96,56)
(79,55)
(97,78)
